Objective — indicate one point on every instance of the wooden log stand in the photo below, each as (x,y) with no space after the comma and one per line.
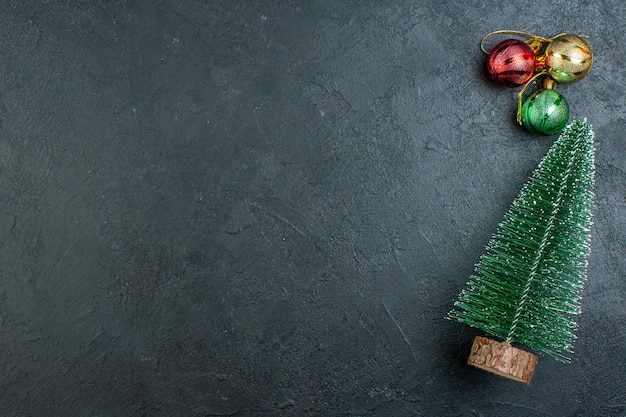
(502,359)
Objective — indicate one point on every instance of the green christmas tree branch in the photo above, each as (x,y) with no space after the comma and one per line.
(528,284)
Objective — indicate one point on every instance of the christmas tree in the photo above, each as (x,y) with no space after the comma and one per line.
(528,284)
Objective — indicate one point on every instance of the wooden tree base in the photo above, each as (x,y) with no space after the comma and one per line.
(502,359)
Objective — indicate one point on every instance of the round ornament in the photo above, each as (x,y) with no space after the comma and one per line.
(567,58)
(511,63)
(545,111)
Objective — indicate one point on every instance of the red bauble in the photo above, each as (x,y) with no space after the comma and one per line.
(511,63)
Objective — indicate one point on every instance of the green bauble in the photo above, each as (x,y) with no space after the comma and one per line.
(545,112)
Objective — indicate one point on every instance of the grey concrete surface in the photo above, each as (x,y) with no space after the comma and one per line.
(237,208)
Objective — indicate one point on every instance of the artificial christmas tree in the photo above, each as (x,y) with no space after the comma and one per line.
(529,282)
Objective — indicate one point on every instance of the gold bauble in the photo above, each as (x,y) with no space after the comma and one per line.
(568,58)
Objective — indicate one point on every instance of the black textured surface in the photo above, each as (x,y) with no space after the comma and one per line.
(228,208)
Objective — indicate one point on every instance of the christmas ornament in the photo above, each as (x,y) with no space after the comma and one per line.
(528,284)
(564,58)
(545,111)
(511,63)
(567,58)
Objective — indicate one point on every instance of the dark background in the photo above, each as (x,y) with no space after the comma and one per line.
(237,208)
